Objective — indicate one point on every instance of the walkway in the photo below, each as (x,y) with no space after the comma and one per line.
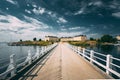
(64,64)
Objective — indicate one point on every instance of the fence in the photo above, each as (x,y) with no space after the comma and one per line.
(15,64)
(107,63)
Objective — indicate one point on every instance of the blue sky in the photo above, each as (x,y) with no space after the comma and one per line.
(26,19)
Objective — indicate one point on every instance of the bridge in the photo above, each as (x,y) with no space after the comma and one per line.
(63,61)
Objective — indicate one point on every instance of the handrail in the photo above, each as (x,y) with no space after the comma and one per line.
(12,67)
(92,58)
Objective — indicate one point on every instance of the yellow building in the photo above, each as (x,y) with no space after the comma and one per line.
(75,38)
(66,39)
(80,38)
(51,38)
(118,37)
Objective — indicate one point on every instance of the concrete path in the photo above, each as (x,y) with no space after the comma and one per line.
(64,64)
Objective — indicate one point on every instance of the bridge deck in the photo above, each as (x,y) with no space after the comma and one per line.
(64,64)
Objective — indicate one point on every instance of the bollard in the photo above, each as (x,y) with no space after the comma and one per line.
(12,64)
(29,57)
(91,56)
(108,63)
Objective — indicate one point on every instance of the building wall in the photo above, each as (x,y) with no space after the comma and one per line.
(118,37)
(77,38)
(80,38)
(51,39)
(66,39)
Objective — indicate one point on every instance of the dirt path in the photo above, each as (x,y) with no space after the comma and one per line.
(64,64)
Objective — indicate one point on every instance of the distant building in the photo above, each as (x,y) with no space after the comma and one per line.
(80,38)
(51,38)
(118,37)
(75,38)
(66,39)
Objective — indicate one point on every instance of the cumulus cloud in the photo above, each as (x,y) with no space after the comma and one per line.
(117,14)
(12,2)
(39,10)
(62,20)
(81,11)
(27,11)
(14,26)
(74,28)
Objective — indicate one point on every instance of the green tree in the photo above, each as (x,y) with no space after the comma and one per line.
(35,39)
(40,39)
(108,38)
(92,39)
(20,40)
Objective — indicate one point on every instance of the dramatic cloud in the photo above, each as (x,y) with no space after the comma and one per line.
(117,14)
(61,20)
(26,19)
(12,2)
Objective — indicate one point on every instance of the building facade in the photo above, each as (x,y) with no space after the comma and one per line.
(66,39)
(118,37)
(80,38)
(75,38)
(51,38)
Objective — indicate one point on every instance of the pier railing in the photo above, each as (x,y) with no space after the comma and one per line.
(14,64)
(106,63)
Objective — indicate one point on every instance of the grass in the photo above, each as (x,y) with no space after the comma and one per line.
(32,43)
(79,43)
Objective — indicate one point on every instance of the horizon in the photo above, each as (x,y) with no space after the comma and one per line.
(26,19)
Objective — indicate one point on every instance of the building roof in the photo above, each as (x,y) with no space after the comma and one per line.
(52,36)
(80,35)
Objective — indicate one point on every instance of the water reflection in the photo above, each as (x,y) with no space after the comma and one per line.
(107,48)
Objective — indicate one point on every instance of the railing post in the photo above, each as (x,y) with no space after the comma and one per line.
(108,64)
(13,64)
(91,56)
(29,57)
(83,52)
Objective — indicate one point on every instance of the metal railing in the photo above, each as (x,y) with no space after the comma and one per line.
(13,66)
(110,64)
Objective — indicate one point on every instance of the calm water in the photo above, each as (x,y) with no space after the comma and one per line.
(107,49)
(19,51)
(22,51)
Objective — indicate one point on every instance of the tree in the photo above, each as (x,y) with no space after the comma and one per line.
(92,39)
(20,40)
(108,38)
(40,39)
(35,39)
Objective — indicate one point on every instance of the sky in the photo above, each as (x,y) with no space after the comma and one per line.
(26,19)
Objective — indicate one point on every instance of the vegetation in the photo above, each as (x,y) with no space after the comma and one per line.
(108,38)
(35,39)
(32,43)
(104,40)
(79,43)
(92,39)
